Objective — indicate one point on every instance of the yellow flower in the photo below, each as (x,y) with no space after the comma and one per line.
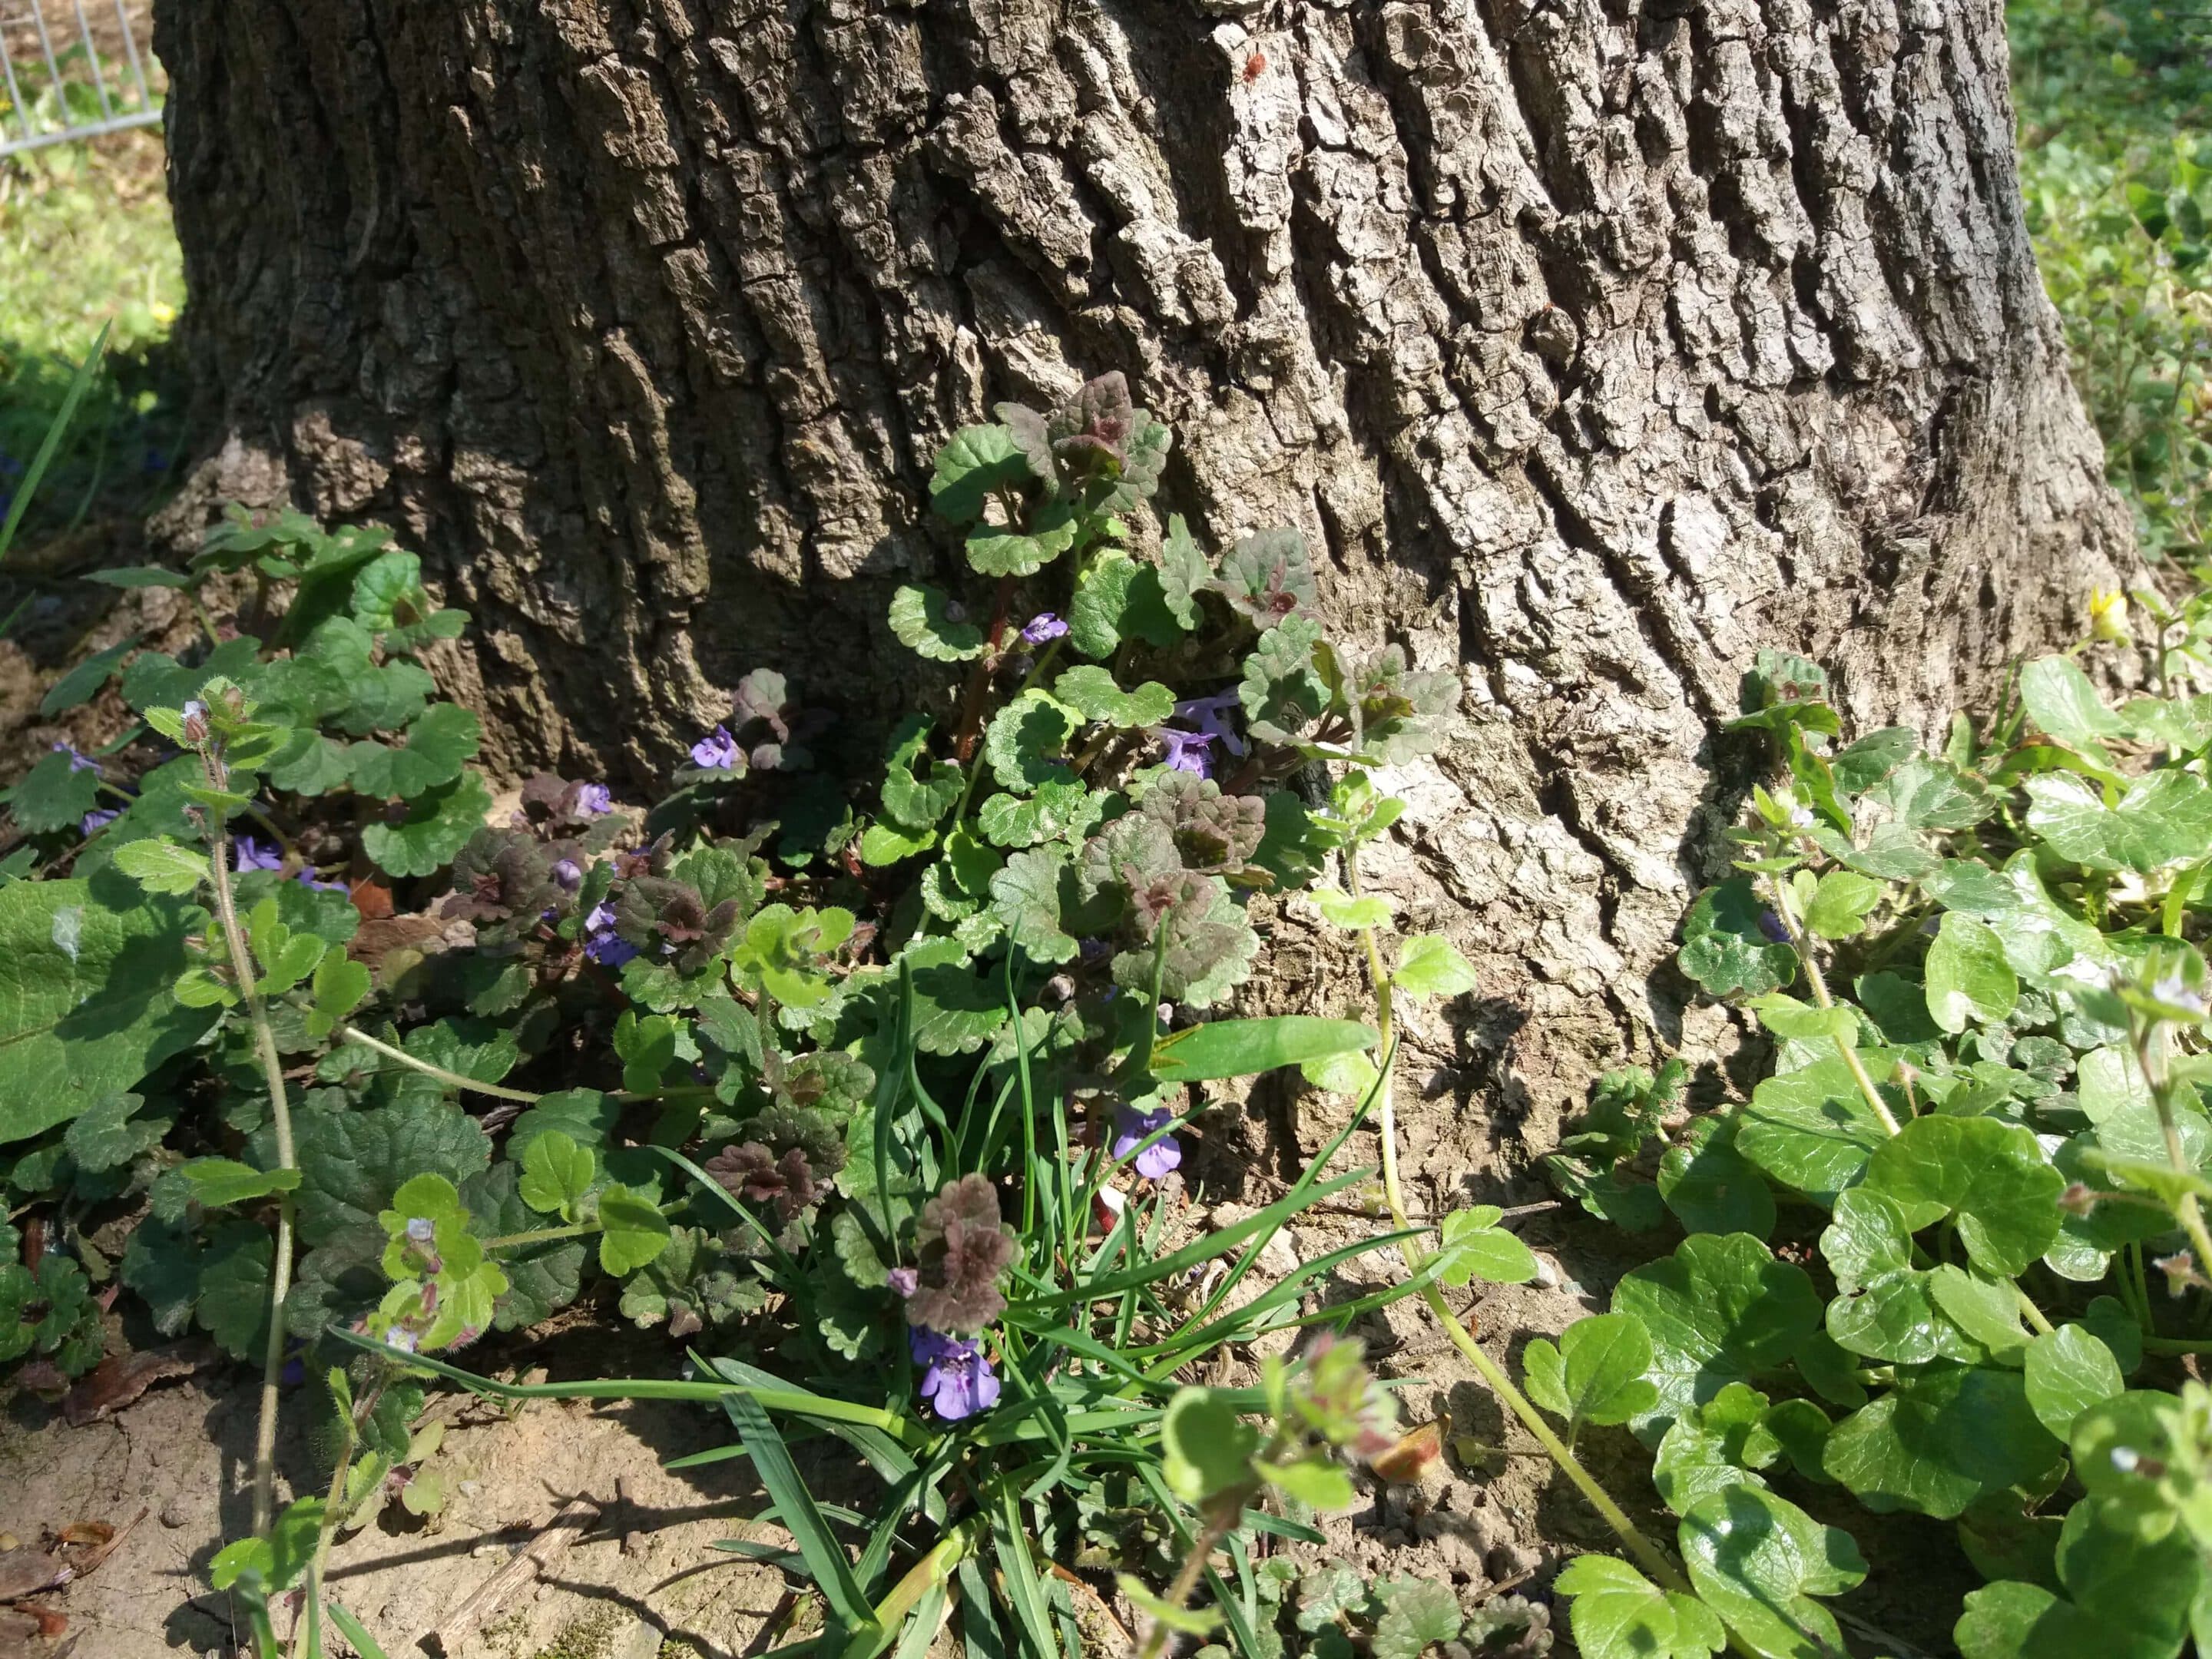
(164,313)
(2108,616)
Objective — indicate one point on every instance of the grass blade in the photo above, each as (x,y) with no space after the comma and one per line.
(350,1628)
(809,1530)
(979,1624)
(1204,1249)
(79,383)
(1017,1575)
(797,1401)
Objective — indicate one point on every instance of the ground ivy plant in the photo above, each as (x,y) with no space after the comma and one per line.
(868,1085)
(1945,1259)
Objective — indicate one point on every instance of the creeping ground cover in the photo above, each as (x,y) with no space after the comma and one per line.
(860,1088)
(861,1083)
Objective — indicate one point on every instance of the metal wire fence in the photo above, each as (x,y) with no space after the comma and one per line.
(67,71)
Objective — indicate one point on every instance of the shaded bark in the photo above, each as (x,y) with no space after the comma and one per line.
(1598,343)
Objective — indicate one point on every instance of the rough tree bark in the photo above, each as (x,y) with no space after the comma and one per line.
(1598,343)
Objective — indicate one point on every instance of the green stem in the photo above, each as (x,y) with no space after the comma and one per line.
(2036,1316)
(2150,1055)
(454,1079)
(1221,1517)
(582,1229)
(333,1507)
(2177,1344)
(272,1070)
(1661,1570)
(1648,1555)
(1803,946)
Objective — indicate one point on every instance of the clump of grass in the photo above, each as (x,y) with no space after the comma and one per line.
(86,240)
(85,236)
(2115,105)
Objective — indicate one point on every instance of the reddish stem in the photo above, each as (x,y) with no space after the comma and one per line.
(979,679)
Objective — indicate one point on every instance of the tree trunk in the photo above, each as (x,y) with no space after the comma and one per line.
(1598,341)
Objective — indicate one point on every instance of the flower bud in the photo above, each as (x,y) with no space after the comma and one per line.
(196,722)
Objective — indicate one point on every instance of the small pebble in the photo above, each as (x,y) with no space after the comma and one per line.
(10,1542)
(173,1513)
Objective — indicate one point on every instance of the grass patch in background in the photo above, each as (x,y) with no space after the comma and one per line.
(2115,107)
(85,237)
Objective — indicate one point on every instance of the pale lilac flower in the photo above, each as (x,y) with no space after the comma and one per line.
(1187,751)
(594,800)
(957,1379)
(98,819)
(716,752)
(79,761)
(2174,991)
(569,874)
(252,855)
(1210,716)
(601,943)
(905,1281)
(1131,1127)
(1044,626)
(421,1229)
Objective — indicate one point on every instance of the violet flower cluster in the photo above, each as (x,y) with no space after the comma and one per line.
(957,1378)
(1131,1127)
(1043,627)
(716,752)
(248,853)
(1193,750)
(601,943)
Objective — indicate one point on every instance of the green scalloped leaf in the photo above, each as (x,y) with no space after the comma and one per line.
(1091,692)
(436,825)
(438,744)
(1024,736)
(924,620)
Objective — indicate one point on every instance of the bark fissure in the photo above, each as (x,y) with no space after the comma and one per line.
(1599,345)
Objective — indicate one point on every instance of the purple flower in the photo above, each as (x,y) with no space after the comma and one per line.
(1132,1125)
(309,879)
(1770,925)
(957,1379)
(1186,751)
(595,800)
(569,874)
(79,761)
(98,819)
(1210,715)
(716,752)
(601,943)
(421,1229)
(1044,626)
(252,855)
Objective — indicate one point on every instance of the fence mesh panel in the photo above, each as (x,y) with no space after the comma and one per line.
(72,69)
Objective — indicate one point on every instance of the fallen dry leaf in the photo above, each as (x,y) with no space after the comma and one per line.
(91,1542)
(27,1572)
(1407,1462)
(117,1380)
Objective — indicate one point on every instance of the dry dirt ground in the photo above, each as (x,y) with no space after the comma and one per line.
(646,1571)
